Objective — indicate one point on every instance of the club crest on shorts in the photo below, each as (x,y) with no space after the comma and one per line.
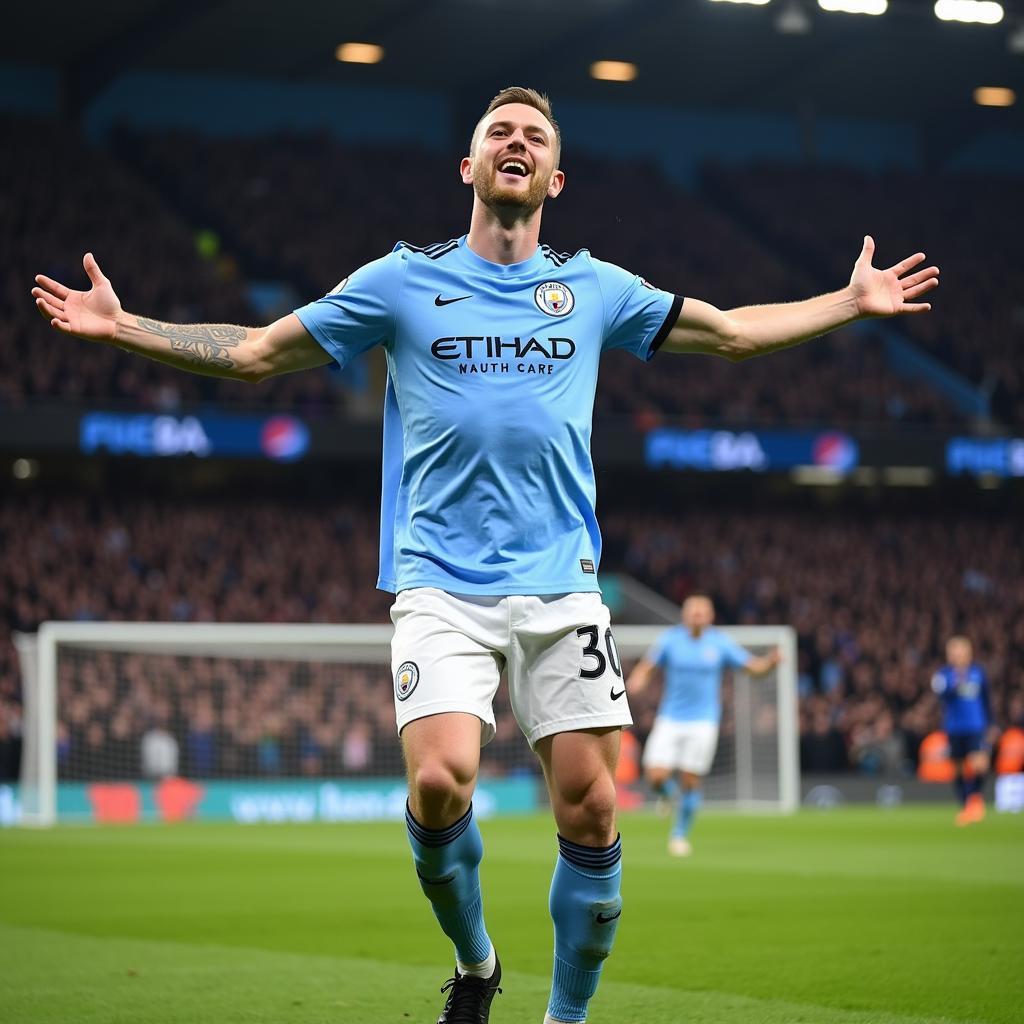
(554,298)
(406,678)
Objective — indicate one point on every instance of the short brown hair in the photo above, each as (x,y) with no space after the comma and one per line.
(528,97)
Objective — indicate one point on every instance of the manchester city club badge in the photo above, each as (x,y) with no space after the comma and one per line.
(554,298)
(406,678)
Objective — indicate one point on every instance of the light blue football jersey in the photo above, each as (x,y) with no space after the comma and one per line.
(488,482)
(693,672)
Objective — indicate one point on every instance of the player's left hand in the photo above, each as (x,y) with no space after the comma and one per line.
(888,292)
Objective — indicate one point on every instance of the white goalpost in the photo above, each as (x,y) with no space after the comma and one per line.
(132,721)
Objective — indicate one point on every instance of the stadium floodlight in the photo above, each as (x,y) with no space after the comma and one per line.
(359,53)
(971,12)
(994,96)
(855,6)
(613,70)
(755,3)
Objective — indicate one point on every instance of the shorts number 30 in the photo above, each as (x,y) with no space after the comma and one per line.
(591,650)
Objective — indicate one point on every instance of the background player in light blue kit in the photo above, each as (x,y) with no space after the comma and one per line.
(488,532)
(692,657)
(962,687)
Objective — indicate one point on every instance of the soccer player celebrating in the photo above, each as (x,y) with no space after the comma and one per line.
(488,532)
(692,656)
(967,716)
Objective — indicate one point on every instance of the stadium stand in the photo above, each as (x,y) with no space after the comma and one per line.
(57,203)
(872,599)
(968,224)
(268,199)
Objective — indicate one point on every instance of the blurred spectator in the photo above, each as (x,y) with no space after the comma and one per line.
(159,752)
(10,740)
(201,740)
(822,748)
(876,748)
(357,748)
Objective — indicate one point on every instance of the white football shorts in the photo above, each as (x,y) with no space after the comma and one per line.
(681,746)
(564,672)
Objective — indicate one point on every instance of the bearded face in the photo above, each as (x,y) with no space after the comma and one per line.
(513,161)
(509,181)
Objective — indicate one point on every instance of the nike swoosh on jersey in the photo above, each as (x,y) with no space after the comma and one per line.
(614,695)
(447,302)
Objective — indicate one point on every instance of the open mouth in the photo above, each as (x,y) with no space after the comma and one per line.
(517,168)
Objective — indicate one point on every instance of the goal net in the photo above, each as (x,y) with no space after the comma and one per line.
(163,721)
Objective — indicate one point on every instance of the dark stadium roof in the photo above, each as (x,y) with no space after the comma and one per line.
(904,65)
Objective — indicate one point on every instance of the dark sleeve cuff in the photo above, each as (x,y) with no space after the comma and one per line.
(670,321)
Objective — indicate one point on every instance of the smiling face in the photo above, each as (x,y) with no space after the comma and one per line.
(513,161)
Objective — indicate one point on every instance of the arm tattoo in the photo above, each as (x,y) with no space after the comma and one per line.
(205,344)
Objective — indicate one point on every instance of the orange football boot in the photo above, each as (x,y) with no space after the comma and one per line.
(973,811)
(975,807)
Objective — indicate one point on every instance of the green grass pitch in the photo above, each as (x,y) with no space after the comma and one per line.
(847,917)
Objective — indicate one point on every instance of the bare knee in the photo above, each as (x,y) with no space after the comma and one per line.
(442,756)
(440,791)
(587,815)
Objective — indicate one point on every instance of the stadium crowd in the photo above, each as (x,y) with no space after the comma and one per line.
(260,198)
(872,600)
(142,206)
(57,203)
(969,225)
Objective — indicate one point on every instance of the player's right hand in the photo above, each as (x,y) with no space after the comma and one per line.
(92,315)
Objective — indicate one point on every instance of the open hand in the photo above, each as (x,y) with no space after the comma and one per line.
(92,315)
(887,292)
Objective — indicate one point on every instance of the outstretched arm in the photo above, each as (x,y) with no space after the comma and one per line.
(756,330)
(642,674)
(217,350)
(759,666)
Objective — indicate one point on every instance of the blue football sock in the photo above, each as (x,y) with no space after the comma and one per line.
(668,789)
(447,864)
(689,803)
(585,907)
